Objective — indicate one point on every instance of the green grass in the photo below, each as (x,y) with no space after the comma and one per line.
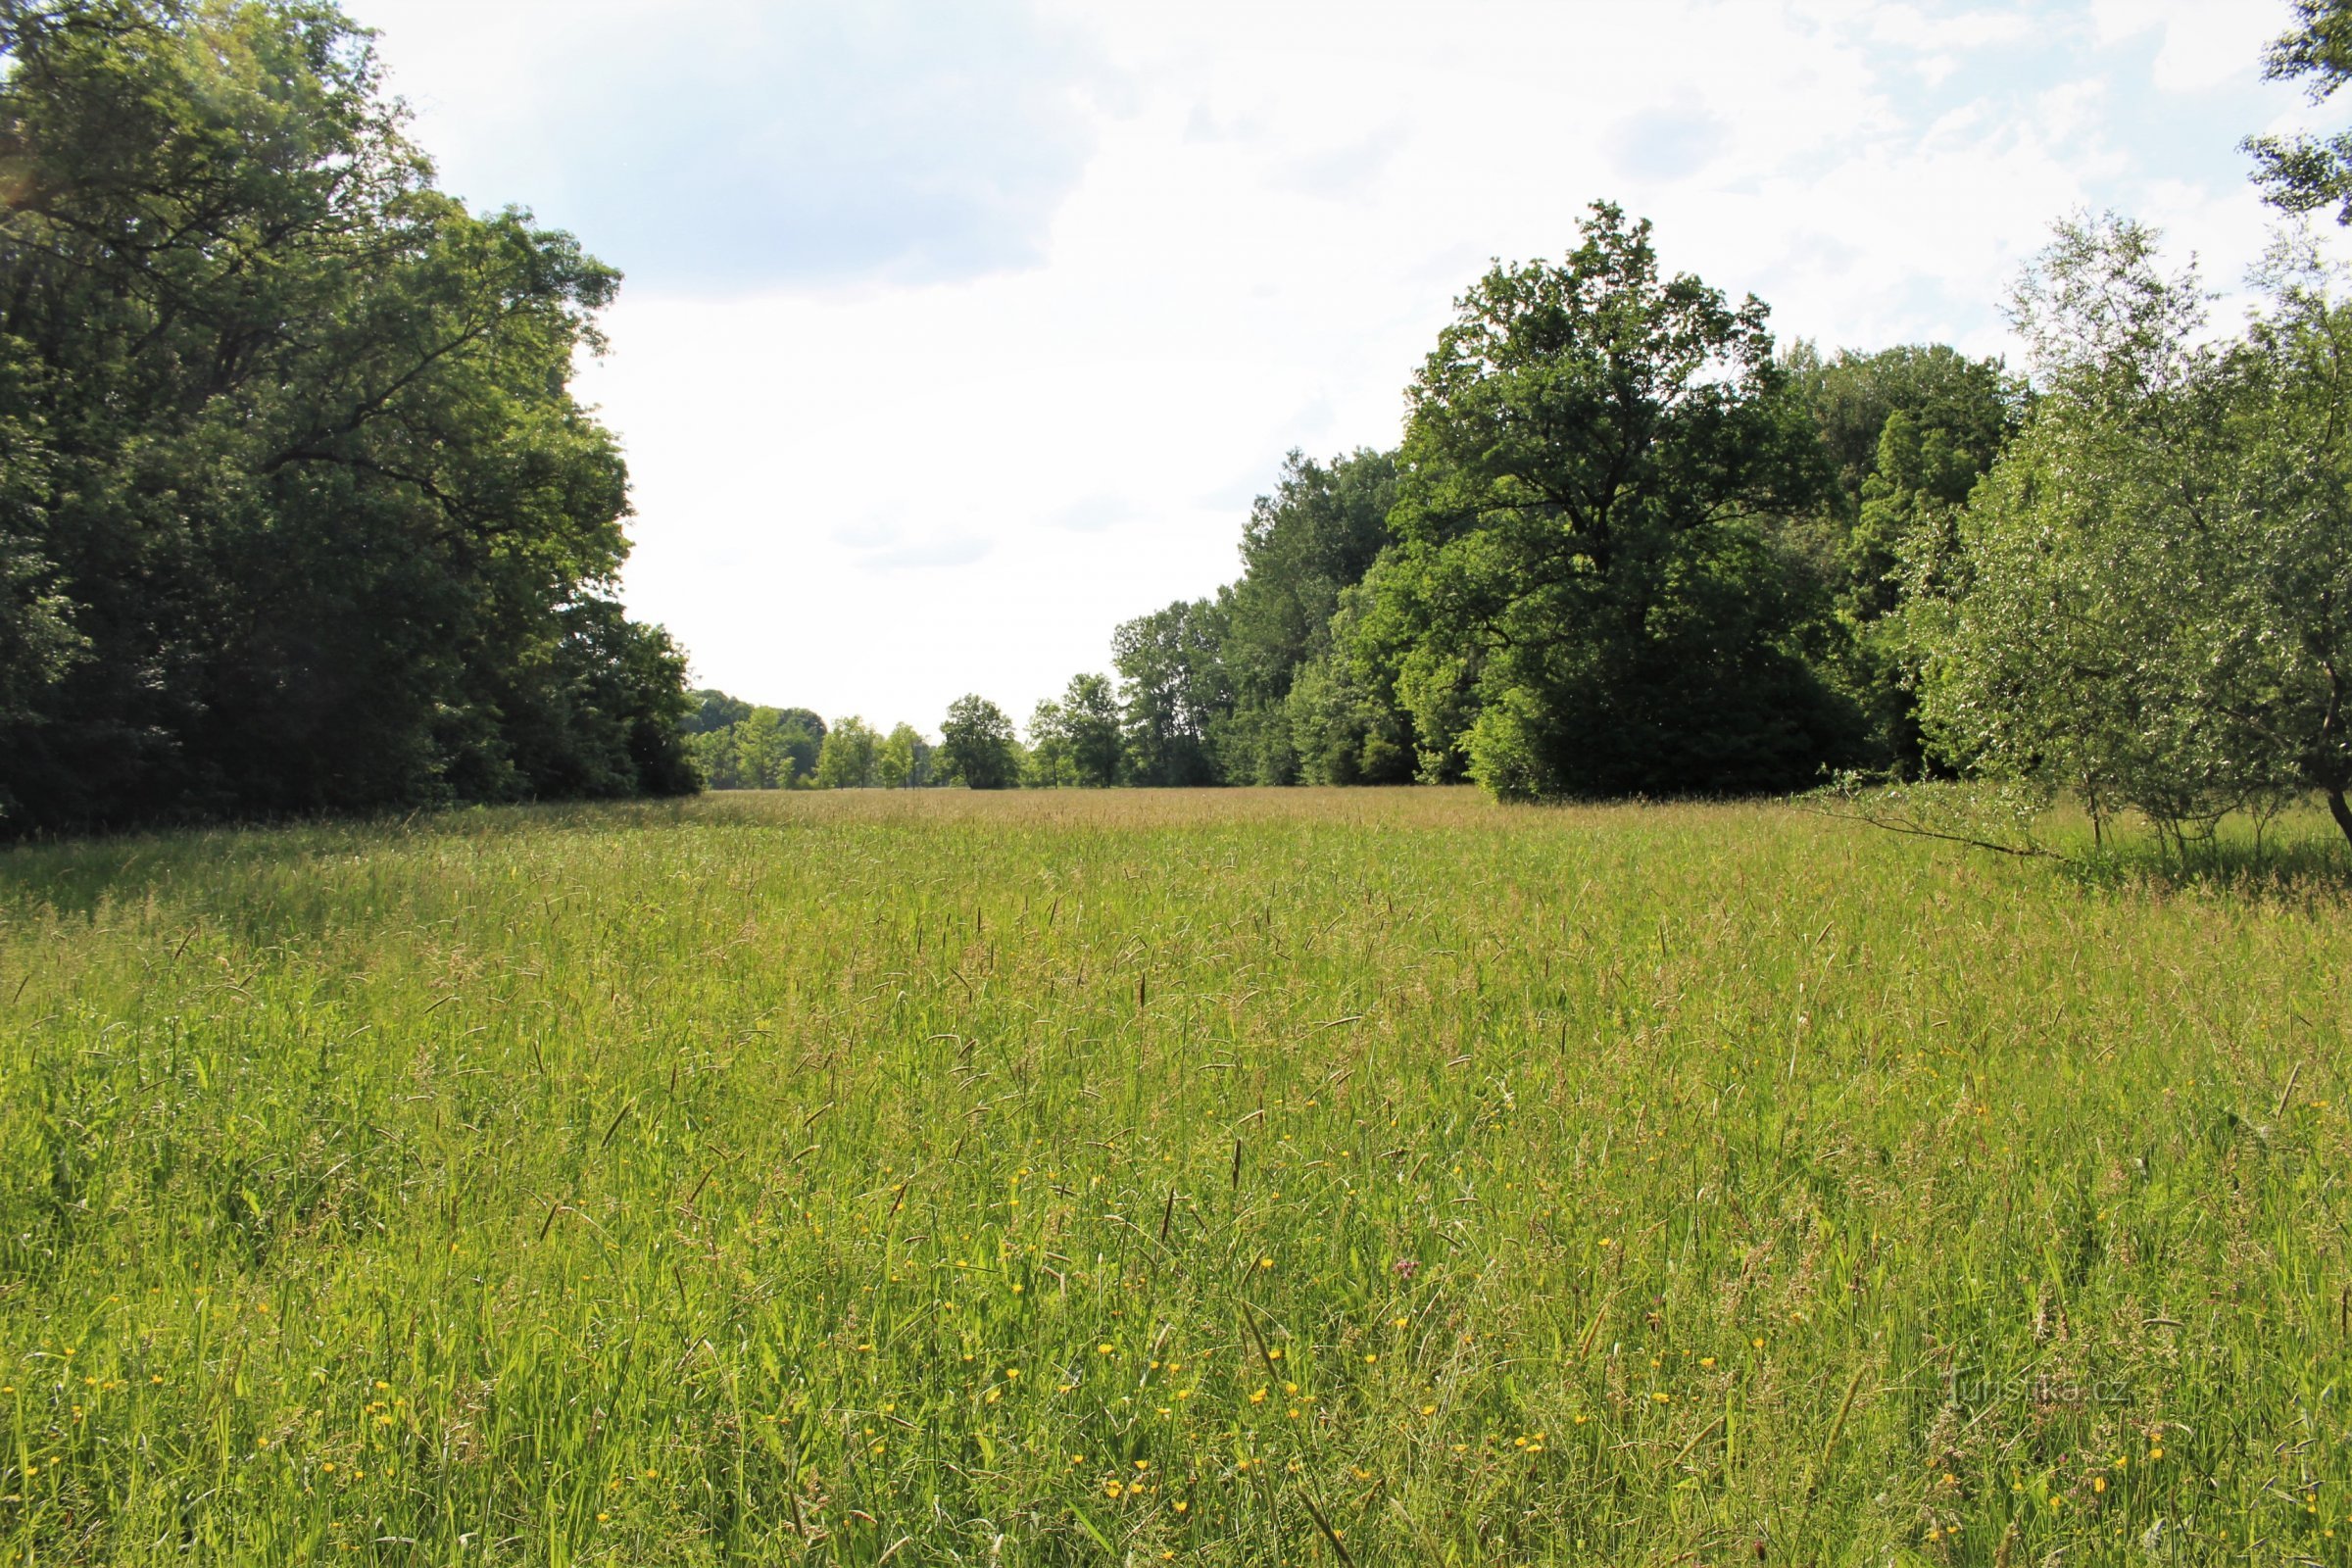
(1136,1177)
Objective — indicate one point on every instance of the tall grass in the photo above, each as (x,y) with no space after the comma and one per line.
(1242,1177)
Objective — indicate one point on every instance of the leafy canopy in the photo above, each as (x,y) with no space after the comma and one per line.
(1581,589)
(299,511)
(977,747)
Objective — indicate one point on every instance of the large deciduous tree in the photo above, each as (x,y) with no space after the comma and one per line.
(298,512)
(977,748)
(1584,596)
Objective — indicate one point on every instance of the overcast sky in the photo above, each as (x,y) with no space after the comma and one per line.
(956,331)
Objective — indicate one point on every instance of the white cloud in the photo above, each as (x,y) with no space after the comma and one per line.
(2203,44)
(725,144)
(870,488)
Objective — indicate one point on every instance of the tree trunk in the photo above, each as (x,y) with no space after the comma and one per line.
(2343,813)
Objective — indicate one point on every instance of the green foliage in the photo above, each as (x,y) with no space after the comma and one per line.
(2144,604)
(767,749)
(714,710)
(1583,587)
(903,760)
(1345,723)
(850,757)
(2281,641)
(685,1184)
(1305,545)
(1969,408)
(1907,432)
(741,747)
(1076,741)
(299,513)
(977,748)
(1177,691)
(2303,173)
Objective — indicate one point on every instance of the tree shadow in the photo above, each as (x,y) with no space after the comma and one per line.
(75,877)
(2299,868)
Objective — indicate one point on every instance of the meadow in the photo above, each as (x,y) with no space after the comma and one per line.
(1119,1177)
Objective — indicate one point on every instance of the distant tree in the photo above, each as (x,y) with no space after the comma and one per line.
(1076,739)
(1317,535)
(714,710)
(755,748)
(846,760)
(1908,433)
(1175,691)
(2302,173)
(716,758)
(801,734)
(1583,582)
(1973,406)
(1046,765)
(903,760)
(1345,723)
(762,761)
(977,747)
(1090,710)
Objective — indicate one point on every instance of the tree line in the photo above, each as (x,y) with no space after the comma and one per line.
(1628,546)
(1625,547)
(297,511)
